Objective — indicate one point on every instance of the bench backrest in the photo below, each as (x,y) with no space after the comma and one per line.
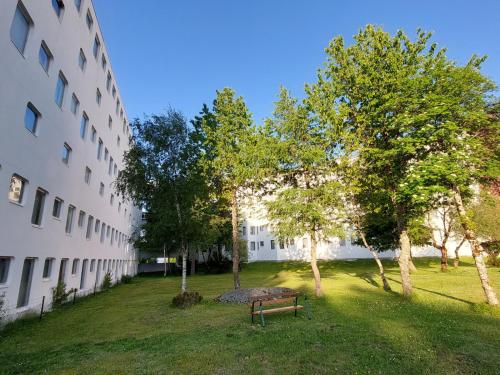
(274,301)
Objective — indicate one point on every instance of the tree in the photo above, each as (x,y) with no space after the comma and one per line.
(412,112)
(306,201)
(161,176)
(229,134)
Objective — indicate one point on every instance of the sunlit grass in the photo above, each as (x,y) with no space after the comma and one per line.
(356,328)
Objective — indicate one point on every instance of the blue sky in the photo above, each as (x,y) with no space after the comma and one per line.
(177,53)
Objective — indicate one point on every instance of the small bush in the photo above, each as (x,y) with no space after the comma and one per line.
(60,295)
(126,279)
(186,299)
(106,281)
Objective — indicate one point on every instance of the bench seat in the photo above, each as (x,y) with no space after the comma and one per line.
(278,310)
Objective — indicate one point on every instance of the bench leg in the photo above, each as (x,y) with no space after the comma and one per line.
(262,321)
(252,310)
(295,304)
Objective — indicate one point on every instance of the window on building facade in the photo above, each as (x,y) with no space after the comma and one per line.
(100,146)
(273,245)
(61,85)
(57,208)
(20,27)
(282,245)
(104,63)
(252,245)
(31,118)
(78,5)
(110,168)
(115,169)
(113,91)
(16,189)
(111,199)
(90,224)
(93,134)
(263,228)
(38,205)
(89,20)
(101,189)
(97,225)
(106,153)
(103,232)
(75,103)
(117,106)
(108,81)
(47,267)
(98,96)
(58,6)
(69,219)
(74,267)
(342,242)
(261,243)
(66,153)
(88,175)
(252,230)
(44,56)
(81,218)
(4,269)
(110,122)
(118,140)
(83,125)
(82,60)
(92,265)
(97,46)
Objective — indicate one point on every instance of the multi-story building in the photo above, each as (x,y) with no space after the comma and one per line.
(64,131)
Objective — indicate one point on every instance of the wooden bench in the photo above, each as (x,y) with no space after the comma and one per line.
(260,306)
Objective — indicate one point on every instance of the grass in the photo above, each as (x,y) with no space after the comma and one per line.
(357,328)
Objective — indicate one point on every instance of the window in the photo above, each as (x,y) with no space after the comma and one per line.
(111,199)
(31,117)
(47,267)
(110,169)
(103,231)
(4,269)
(44,56)
(69,219)
(101,189)
(117,106)
(58,6)
(106,153)
(88,175)
(82,60)
(20,27)
(60,89)
(273,246)
(16,190)
(78,5)
(110,122)
(118,140)
(98,97)
(112,235)
(261,243)
(99,149)
(81,218)
(292,242)
(96,47)
(114,91)
(282,245)
(119,206)
(108,229)
(36,217)
(56,209)
(342,242)
(66,152)
(115,169)
(263,228)
(252,245)
(103,62)
(90,20)
(83,125)
(304,243)
(92,265)
(90,223)
(74,266)
(93,134)
(75,103)
(108,81)
(252,230)
(97,225)
(121,113)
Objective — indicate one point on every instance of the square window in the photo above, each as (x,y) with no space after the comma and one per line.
(82,60)
(4,269)
(57,208)
(47,267)
(16,190)
(20,27)
(31,117)
(61,85)
(75,104)
(66,152)
(69,219)
(261,243)
(90,20)
(44,56)
(88,175)
(36,217)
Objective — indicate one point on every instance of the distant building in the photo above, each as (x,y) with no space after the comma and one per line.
(64,131)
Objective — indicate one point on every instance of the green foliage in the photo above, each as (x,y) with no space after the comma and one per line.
(2,310)
(106,282)
(485,216)
(186,299)
(126,279)
(60,295)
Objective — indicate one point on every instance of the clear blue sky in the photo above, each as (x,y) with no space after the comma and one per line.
(178,52)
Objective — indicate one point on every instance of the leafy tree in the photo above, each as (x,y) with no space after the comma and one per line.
(412,113)
(307,202)
(228,135)
(161,175)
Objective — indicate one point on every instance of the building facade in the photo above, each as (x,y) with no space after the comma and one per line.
(64,131)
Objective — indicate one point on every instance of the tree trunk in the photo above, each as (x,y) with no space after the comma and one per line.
(456,261)
(193,264)
(184,269)
(377,260)
(444,259)
(314,266)
(404,261)
(236,244)
(476,249)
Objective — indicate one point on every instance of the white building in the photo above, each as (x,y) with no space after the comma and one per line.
(63,134)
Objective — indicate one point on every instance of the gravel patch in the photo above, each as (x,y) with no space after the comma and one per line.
(246,295)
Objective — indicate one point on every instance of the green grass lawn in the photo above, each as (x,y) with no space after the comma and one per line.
(357,328)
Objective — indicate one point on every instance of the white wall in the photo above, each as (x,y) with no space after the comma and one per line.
(37,157)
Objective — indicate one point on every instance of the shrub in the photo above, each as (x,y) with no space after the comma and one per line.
(126,279)
(106,281)
(60,295)
(2,310)
(186,299)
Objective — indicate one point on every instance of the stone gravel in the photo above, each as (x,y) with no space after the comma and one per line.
(245,295)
